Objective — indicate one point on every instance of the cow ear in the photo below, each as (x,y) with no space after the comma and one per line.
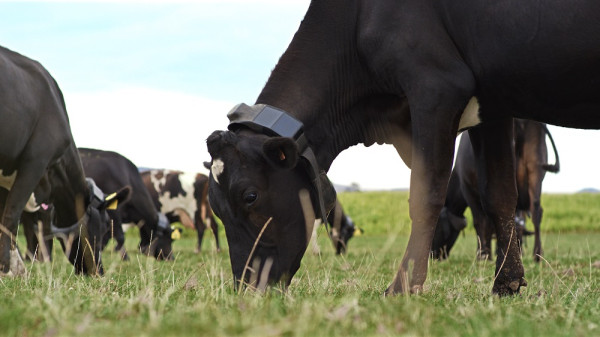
(282,152)
(113,200)
(207,165)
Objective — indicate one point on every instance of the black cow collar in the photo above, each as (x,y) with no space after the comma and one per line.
(273,122)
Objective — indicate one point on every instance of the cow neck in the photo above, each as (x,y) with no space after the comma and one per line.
(69,189)
(320,76)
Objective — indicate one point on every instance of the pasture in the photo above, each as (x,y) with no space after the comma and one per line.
(330,295)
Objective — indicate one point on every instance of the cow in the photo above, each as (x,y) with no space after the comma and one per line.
(183,196)
(463,191)
(39,164)
(342,228)
(111,169)
(412,73)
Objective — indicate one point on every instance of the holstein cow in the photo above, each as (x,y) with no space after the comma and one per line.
(111,169)
(184,196)
(342,228)
(463,191)
(412,73)
(39,164)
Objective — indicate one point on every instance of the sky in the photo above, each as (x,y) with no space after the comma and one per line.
(152,79)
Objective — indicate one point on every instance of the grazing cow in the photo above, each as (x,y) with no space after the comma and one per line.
(184,196)
(412,73)
(342,228)
(111,169)
(39,164)
(463,191)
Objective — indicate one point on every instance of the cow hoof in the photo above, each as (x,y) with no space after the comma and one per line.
(512,288)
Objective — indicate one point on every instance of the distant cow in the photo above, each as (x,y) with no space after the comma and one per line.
(183,195)
(112,169)
(39,164)
(463,191)
(342,228)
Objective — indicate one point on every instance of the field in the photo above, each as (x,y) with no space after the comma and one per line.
(331,295)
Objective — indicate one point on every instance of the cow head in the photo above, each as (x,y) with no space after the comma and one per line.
(159,244)
(347,231)
(447,230)
(260,184)
(83,248)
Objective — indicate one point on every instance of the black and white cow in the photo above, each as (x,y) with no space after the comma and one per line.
(463,191)
(39,164)
(184,196)
(342,228)
(412,73)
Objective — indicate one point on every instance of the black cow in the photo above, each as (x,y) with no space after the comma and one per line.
(39,164)
(111,169)
(183,196)
(412,73)
(463,191)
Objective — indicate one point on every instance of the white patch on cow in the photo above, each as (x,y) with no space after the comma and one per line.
(7,182)
(470,116)
(217,168)
(31,205)
(178,203)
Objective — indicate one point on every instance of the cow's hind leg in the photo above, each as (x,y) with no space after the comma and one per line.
(492,145)
(16,199)
(535,207)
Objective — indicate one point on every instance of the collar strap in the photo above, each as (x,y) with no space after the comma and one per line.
(274,122)
(96,195)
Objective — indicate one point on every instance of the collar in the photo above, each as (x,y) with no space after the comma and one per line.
(275,122)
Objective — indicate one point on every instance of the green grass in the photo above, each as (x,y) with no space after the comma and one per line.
(330,295)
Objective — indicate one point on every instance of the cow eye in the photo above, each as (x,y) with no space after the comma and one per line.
(250,197)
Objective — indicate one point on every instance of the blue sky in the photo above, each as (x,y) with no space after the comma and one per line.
(151,80)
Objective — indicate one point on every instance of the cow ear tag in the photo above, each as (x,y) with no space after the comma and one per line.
(112,205)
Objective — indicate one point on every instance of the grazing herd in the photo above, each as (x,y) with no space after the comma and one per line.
(409,73)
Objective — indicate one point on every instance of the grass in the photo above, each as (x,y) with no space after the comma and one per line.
(330,295)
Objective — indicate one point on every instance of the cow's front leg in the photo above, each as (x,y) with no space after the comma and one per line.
(432,154)
(494,154)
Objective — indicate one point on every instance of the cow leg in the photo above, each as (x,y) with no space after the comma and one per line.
(431,163)
(200,228)
(28,223)
(535,207)
(16,199)
(213,226)
(494,153)
(483,229)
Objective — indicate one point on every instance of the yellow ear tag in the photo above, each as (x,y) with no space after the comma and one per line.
(176,235)
(113,205)
(357,232)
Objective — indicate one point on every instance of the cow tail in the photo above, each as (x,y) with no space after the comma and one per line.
(548,167)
